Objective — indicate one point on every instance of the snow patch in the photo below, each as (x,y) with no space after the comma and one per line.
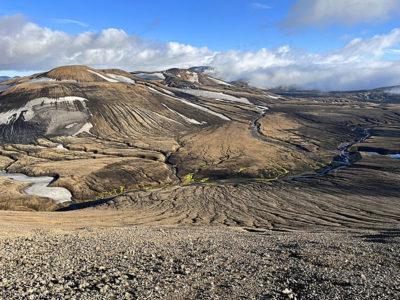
(169,119)
(164,90)
(273,97)
(187,119)
(102,76)
(219,81)
(85,128)
(221,116)
(152,76)
(29,108)
(40,187)
(68,80)
(121,78)
(70,125)
(167,92)
(214,95)
(61,147)
(154,90)
(262,108)
(39,79)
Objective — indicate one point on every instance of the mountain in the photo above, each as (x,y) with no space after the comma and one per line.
(102,133)
(4,78)
(132,131)
(380,95)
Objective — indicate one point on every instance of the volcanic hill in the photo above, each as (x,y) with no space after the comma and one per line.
(107,133)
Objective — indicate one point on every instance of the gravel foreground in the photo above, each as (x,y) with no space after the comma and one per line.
(197,263)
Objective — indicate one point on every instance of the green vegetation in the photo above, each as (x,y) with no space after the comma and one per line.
(241,169)
(110,194)
(277,172)
(188,178)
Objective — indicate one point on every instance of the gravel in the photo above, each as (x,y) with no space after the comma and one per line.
(197,263)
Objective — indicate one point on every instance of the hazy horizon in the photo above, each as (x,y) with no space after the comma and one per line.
(309,44)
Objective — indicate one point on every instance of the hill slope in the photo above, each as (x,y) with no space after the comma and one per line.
(101,133)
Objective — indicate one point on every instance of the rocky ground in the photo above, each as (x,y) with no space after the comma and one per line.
(197,263)
(330,237)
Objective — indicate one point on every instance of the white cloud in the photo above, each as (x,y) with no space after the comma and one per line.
(26,46)
(321,13)
(394,51)
(70,21)
(361,63)
(258,5)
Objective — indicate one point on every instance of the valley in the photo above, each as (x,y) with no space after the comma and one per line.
(174,177)
(105,134)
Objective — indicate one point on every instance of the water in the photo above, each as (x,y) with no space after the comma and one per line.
(343,160)
(397,156)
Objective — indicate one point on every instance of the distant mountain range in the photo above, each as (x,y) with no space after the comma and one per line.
(389,94)
(4,78)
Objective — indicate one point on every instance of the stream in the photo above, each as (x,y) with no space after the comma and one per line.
(342,160)
(174,178)
(256,133)
(396,156)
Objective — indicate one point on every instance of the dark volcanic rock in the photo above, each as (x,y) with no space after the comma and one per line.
(20,131)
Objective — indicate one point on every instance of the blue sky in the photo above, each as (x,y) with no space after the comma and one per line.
(254,40)
(217,24)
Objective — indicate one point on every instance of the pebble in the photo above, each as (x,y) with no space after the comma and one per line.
(196,263)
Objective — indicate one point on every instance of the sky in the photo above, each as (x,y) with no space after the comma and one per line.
(309,44)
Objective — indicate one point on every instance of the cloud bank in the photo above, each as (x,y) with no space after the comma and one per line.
(320,13)
(26,46)
(361,63)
